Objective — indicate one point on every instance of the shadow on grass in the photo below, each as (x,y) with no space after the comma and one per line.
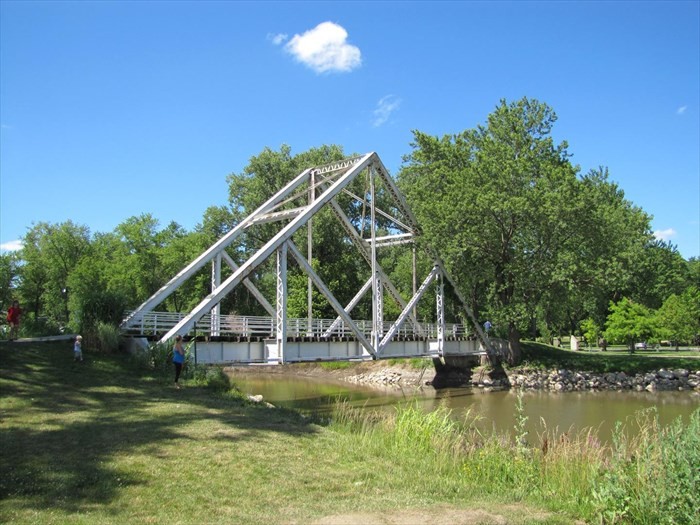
(63,423)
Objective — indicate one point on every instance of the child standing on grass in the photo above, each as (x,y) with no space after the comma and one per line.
(78,348)
(178,358)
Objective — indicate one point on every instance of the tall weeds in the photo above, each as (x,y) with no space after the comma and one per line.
(647,474)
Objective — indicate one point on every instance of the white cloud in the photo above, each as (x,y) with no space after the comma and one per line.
(278,38)
(385,107)
(325,48)
(11,246)
(665,235)
(681,110)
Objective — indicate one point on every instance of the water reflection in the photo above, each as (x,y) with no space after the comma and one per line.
(569,412)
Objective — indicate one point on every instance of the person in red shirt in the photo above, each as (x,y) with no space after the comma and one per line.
(13,314)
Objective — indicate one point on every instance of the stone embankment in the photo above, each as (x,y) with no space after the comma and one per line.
(559,380)
(392,377)
(566,380)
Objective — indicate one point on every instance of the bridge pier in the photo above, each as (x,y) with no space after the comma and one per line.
(452,371)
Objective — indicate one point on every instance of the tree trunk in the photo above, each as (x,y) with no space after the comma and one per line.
(515,354)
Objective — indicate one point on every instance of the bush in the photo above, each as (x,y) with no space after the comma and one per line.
(108,337)
(43,326)
(209,376)
(653,478)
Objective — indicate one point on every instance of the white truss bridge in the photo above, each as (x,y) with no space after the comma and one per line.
(222,338)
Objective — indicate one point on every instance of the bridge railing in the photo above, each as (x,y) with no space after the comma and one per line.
(158,323)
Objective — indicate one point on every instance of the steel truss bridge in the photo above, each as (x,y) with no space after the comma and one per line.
(222,338)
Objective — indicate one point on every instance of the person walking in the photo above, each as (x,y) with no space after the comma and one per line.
(13,314)
(78,348)
(178,359)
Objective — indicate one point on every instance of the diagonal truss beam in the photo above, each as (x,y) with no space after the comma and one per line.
(251,287)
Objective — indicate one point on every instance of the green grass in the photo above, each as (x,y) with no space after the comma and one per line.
(539,355)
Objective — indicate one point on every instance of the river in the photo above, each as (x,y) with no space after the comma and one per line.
(569,411)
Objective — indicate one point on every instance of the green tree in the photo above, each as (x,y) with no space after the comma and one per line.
(50,253)
(694,271)
(503,206)
(659,273)
(9,278)
(678,319)
(590,330)
(629,322)
(101,284)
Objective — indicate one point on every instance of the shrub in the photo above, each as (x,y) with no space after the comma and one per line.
(108,337)
(209,376)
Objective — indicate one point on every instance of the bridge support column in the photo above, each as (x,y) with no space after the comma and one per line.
(215,322)
(277,355)
(440,305)
(377,296)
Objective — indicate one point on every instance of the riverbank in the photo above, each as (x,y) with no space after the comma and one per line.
(377,374)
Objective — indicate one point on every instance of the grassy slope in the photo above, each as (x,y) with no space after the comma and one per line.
(100,442)
(540,355)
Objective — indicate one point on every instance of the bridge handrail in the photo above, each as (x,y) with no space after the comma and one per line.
(154,323)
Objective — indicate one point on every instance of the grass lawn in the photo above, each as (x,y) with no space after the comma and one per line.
(105,442)
(613,360)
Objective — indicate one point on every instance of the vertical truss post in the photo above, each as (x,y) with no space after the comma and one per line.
(440,304)
(415,277)
(215,322)
(281,313)
(309,254)
(377,307)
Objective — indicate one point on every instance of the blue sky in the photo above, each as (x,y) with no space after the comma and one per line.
(113,109)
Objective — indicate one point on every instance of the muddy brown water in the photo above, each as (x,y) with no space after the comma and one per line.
(568,411)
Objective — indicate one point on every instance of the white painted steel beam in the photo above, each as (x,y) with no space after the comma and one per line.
(491,352)
(281,317)
(380,212)
(215,282)
(362,247)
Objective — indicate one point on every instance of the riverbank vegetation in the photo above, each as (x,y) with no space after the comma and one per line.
(110,441)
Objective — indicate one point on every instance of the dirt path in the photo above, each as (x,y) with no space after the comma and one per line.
(441,515)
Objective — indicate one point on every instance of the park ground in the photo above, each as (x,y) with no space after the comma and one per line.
(106,441)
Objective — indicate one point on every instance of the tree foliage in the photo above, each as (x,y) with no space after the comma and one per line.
(505,209)
(678,318)
(629,322)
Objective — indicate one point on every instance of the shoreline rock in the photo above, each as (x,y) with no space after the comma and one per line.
(562,380)
(554,380)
